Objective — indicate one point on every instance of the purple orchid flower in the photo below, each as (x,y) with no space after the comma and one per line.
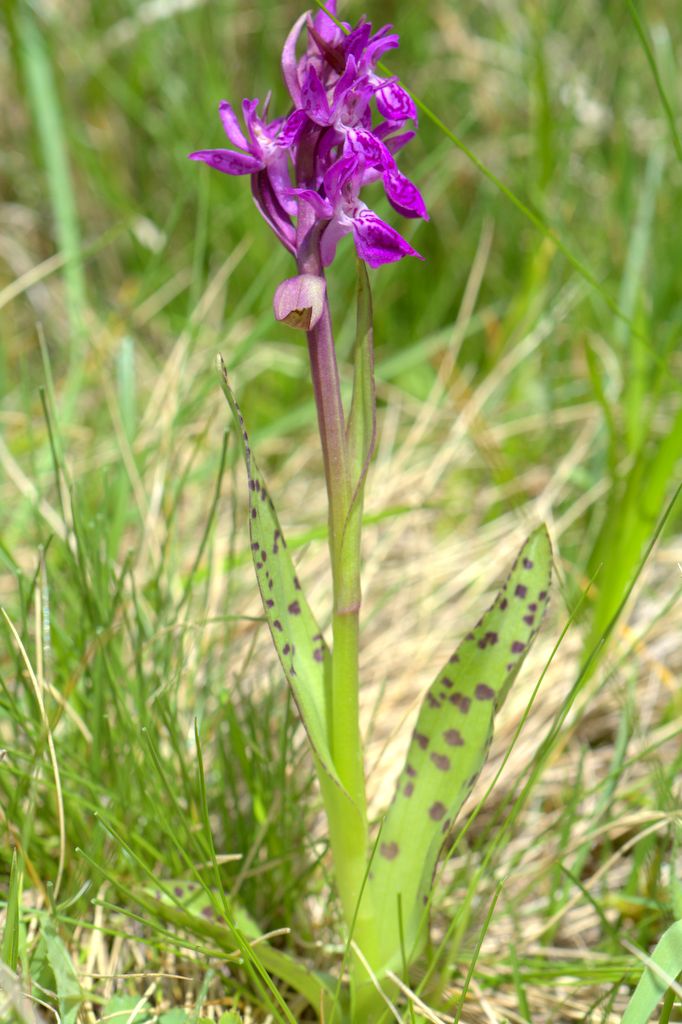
(327,149)
(375,240)
(266,147)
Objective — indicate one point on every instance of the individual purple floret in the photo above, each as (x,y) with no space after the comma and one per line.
(328,148)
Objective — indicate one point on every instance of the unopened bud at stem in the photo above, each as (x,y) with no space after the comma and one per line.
(299,301)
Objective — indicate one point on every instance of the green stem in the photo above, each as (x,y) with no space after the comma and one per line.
(347,821)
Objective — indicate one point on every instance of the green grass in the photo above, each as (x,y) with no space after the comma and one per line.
(530,367)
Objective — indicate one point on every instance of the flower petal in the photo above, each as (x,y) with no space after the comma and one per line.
(366,145)
(344,84)
(394,142)
(382,41)
(324,26)
(227,161)
(290,61)
(291,129)
(252,121)
(321,207)
(394,103)
(377,242)
(403,195)
(272,210)
(341,174)
(280,179)
(231,125)
(314,98)
(331,236)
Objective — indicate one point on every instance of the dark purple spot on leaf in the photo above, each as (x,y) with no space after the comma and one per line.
(437,810)
(542,596)
(532,607)
(294,608)
(484,692)
(297,585)
(270,603)
(409,789)
(490,639)
(253,513)
(255,546)
(389,850)
(527,564)
(447,683)
(461,702)
(529,619)
(277,625)
(520,591)
(441,761)
(318,654)
(432,701)
(517,647)
(207,912)
(409,770)
(503,604)
(286,649)
(421,740)
(446,825)
(453,738)
(454,658)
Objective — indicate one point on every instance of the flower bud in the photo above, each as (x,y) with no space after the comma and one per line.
(299,301)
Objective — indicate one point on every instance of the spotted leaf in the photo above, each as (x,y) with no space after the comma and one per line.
(449,746)
(297,638)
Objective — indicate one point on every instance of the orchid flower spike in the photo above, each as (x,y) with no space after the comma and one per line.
(343,133)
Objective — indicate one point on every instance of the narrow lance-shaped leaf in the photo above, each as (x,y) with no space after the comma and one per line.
(449,746)
(297,638)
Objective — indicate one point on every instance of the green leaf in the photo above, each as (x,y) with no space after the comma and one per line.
(449,746)
(69,994)
(296,635)
(9,950)
(662,968)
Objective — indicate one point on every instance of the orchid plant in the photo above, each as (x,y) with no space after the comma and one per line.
(308,171)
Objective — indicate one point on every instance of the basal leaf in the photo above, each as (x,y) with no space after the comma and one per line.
(449,746)
(296,635)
